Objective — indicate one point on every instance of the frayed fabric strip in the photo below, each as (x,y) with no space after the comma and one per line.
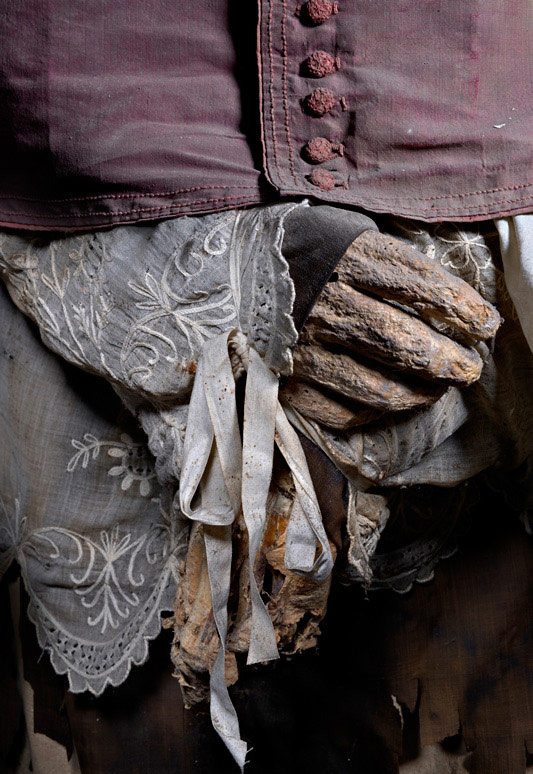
(221,475)
(139,306)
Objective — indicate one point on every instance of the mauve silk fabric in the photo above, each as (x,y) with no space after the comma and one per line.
(130,110)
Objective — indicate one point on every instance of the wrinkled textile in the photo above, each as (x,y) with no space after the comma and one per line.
(489,424)
(117,110)
(516,237)
(83,514)
(121,111)
(206,300)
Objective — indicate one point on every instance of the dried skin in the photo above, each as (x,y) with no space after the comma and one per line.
(296,604)
(379,330)
(314,404)
(392,270)
(196,641)
(371,384)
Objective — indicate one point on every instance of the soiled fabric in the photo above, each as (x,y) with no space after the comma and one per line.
(489,424)
(171,315)
(120,110)
(155,310)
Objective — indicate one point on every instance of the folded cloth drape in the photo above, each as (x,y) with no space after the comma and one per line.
(229,476)
(190,303)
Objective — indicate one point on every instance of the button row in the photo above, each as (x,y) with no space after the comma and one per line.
(321,101)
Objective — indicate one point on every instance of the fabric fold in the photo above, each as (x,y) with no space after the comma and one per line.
(258,452)
(153,311)
(222,475)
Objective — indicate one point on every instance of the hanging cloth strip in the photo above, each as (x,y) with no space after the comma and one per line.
(222,474)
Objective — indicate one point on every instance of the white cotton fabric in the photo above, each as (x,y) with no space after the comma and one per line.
(516,240)
(158,310)
(82,512)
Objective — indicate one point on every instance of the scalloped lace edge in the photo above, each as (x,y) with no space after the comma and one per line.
(79,682)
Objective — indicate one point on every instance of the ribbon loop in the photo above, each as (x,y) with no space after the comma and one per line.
(225,474)
(299,536)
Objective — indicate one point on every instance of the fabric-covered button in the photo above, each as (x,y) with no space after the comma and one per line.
(320,149)
(318,11)
(320,63)
(323,178)
(319,102)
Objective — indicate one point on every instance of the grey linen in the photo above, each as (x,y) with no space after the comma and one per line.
(171,315)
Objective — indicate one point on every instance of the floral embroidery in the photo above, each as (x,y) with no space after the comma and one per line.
(100,585)
(136,464)
(178,309)
(122,581)
(72,301)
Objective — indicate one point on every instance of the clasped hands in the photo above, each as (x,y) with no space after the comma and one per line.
(391,330)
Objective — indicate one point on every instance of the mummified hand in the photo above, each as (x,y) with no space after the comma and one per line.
(371,344)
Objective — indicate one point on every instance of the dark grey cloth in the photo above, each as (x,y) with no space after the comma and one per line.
(315,240)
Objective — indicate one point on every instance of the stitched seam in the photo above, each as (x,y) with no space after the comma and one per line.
(476,193)
(446,196)
(126,212)
(285,99)
(271,88)
(489,204)
(128,196)
(367,203)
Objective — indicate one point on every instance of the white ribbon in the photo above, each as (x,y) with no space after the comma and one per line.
(220,475)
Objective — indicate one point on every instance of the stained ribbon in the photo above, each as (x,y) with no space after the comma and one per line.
(222,474)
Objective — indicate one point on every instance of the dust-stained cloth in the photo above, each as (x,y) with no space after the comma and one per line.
(171,315)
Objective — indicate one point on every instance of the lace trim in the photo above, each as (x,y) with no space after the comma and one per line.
(400,570)
(106,577)
(267,289)
(91,666)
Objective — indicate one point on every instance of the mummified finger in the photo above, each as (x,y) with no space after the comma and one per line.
(379,330)
(325,407)
(369,383)
(390,269)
